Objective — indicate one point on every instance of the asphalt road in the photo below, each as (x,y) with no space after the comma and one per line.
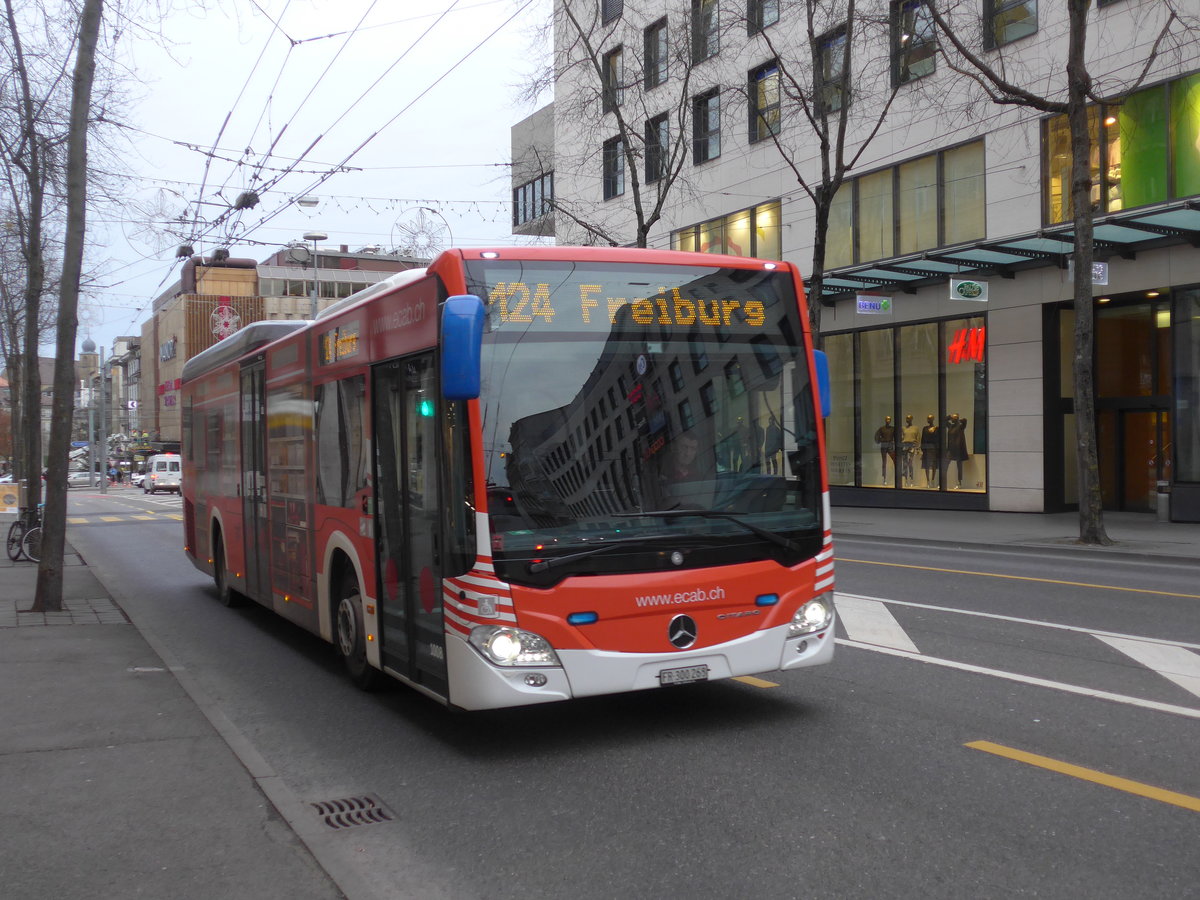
(890,773)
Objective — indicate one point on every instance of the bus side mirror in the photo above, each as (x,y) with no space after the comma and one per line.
(823,386)
(462,341)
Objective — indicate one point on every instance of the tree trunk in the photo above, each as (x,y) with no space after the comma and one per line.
(50,570)
(1091,506)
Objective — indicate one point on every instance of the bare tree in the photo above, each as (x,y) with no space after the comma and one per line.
(628,82)
(50,574)
(838,93)
(1070,94)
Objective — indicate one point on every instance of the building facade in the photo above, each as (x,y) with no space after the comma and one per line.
(218,295)
(946,291)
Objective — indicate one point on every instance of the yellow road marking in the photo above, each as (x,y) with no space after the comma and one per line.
(1101,587)
(755,682)
(112,518)
(1120,784)
(144,518)
(75,520)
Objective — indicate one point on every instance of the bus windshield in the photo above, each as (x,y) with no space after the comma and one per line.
(612,392)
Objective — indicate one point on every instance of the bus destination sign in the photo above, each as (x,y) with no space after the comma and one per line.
(339,343)
(520,302)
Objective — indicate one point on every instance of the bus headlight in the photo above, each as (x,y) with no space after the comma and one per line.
(815,615)
(504,645)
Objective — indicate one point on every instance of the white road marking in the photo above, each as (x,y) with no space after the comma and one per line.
(1171,662)
(869,621)
(1037,682)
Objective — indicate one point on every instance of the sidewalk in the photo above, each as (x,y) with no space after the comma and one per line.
(1138,534)
(125,788)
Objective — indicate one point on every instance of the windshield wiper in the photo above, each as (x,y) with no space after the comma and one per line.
(555,561)
(778,539)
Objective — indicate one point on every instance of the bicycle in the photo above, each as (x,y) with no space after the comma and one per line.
(25,535)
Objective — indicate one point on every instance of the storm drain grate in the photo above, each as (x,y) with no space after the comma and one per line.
(349,812)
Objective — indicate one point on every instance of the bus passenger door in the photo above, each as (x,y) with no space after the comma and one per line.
(406,414)
(254,483)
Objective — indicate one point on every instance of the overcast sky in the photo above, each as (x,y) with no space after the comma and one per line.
(415,97)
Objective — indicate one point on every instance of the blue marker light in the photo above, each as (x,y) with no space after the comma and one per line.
(583,618)
(766,599)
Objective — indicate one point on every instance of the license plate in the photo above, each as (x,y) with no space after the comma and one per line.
(684,675)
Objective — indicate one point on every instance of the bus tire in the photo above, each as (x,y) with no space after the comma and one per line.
(350,639)
(225,594)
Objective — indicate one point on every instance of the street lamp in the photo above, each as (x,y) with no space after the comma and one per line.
(314,236)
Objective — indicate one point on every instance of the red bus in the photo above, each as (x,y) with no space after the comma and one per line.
(525,475)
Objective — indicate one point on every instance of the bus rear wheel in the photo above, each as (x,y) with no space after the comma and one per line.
(225,594)
(351,638)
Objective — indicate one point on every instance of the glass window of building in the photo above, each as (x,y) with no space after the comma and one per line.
(705,34)
(706,126)
(753,232)
(657,147)
(1006,21)
(832,88)
(613,91)
(839,236)
(910,407)
(1144,151)
(877,385)
(914,41)
(876,221)
(764,93)
(656,54)
(963,192)
(760,14)
(614,168)
(1187,391)
(839,425)
(611,9)
(917,201)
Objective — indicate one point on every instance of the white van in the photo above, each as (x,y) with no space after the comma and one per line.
(163,473)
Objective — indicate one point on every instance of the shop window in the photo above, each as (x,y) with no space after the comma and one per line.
(919,451)
(753,232)
(964,422)
(963,194)
(706,126)
(877,427)
(1005,21)
(737,234)
(839,425)
(1187,390)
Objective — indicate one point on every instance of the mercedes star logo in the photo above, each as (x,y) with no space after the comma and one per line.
(682,631)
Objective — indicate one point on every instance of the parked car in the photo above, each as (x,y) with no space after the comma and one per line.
(135,478)
(83,479)
(163,473)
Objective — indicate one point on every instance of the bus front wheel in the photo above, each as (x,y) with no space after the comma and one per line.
(351,637)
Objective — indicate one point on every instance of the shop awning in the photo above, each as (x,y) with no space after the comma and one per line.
(1121,235)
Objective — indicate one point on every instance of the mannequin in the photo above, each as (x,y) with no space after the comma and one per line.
(956,445)
(930,444)
(910,438)
(885,437)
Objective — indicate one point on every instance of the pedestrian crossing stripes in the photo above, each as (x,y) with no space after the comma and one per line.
(128,517)
(869,624)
